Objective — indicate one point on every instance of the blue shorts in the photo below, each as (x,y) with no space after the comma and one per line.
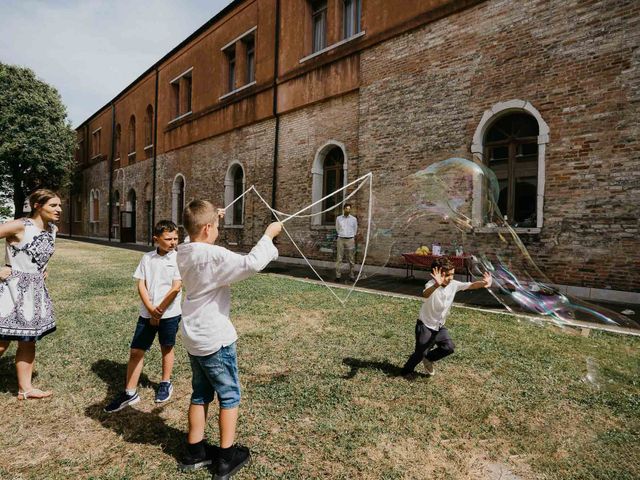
(145,333)
(216,374)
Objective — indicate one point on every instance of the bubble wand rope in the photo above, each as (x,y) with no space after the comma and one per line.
(275,213)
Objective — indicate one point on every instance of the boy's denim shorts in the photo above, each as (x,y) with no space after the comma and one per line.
(145,332)
(216,374)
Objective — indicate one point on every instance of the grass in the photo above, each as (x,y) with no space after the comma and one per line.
(321,395)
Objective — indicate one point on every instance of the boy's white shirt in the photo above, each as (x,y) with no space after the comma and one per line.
(207,272)
(435,309)
(158,273)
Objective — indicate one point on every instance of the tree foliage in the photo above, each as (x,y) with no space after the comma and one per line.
(36,138)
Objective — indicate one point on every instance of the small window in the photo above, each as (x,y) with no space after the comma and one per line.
(250,48)
(319,25)
(95,143)
(352,10)
(181,92)
(333,179)
(148,126)
(118,140)
(231,68)
(132,137)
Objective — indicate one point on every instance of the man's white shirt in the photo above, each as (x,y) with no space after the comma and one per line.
(347,227)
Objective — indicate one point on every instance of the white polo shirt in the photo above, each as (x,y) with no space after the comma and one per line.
(347,227)
(158,273)
(435,309)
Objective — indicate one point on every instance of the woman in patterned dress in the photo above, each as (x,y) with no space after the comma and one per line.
(26,313)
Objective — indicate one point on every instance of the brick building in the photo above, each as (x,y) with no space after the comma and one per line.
(297,96)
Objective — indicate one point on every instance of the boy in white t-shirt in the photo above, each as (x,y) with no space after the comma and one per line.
(439,293)
(159,286)
(208,271)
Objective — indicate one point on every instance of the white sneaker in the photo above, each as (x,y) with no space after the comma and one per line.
(429,367)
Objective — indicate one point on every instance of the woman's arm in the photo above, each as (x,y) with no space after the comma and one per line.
(12,230)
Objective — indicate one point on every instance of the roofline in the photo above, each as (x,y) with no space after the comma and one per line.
(218,16)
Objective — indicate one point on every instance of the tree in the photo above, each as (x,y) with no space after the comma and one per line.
(36,138)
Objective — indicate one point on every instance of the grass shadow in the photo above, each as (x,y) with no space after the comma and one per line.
(133,425)
(389,369)
(8,379)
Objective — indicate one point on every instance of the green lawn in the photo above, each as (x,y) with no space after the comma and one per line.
(321,395)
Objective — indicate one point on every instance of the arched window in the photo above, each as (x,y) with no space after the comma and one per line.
(132,137)
(148,127)
(233,188)
(329,173)
(511,151)
(177,199)
(511,140)
(333,179)
(118,140)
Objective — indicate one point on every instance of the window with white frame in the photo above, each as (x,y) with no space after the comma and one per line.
(177,199)
(148,127)
(329,173)
(233,188)
(132,138)
(181,91)
(511,140)
(94,206)
(250,58)
(230,54)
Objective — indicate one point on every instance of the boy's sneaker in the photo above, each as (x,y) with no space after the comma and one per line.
(198,456)
(429,367)
(121,401)
(165,390)
(231,461)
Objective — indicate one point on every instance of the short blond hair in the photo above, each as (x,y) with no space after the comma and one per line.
(197,214)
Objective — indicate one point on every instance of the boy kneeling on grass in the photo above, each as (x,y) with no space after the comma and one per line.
(439,293)
(208,271)
(159,287)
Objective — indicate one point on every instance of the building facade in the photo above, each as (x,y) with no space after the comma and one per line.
(301,96)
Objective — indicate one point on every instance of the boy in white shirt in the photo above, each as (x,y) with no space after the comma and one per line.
(439,293)
(208,271)
(159,287)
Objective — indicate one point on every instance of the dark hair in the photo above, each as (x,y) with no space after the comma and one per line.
(40,197)
(197,214)
(443,263)
(346,205)
(164,226)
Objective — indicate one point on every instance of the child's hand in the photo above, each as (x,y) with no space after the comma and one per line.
(220,213)
(488,280)
(154,321)
(273,230)
(438,276)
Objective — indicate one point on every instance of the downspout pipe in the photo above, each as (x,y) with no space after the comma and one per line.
(275,107)
(113,151)
(155,156)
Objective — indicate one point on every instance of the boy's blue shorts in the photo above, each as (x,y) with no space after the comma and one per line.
(216,374)
(145,332)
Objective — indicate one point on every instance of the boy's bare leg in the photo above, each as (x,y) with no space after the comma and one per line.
(168,357)
(227,422)
(25,358)
(3,347)
(197,422)
(134,368)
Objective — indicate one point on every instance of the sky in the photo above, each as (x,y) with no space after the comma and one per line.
(90,50)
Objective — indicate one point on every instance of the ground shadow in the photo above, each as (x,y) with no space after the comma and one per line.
(387,368)
(8,379)
(133,425)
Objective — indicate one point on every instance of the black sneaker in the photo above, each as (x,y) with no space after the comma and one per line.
(199,457)
(121,401)
(230,463)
